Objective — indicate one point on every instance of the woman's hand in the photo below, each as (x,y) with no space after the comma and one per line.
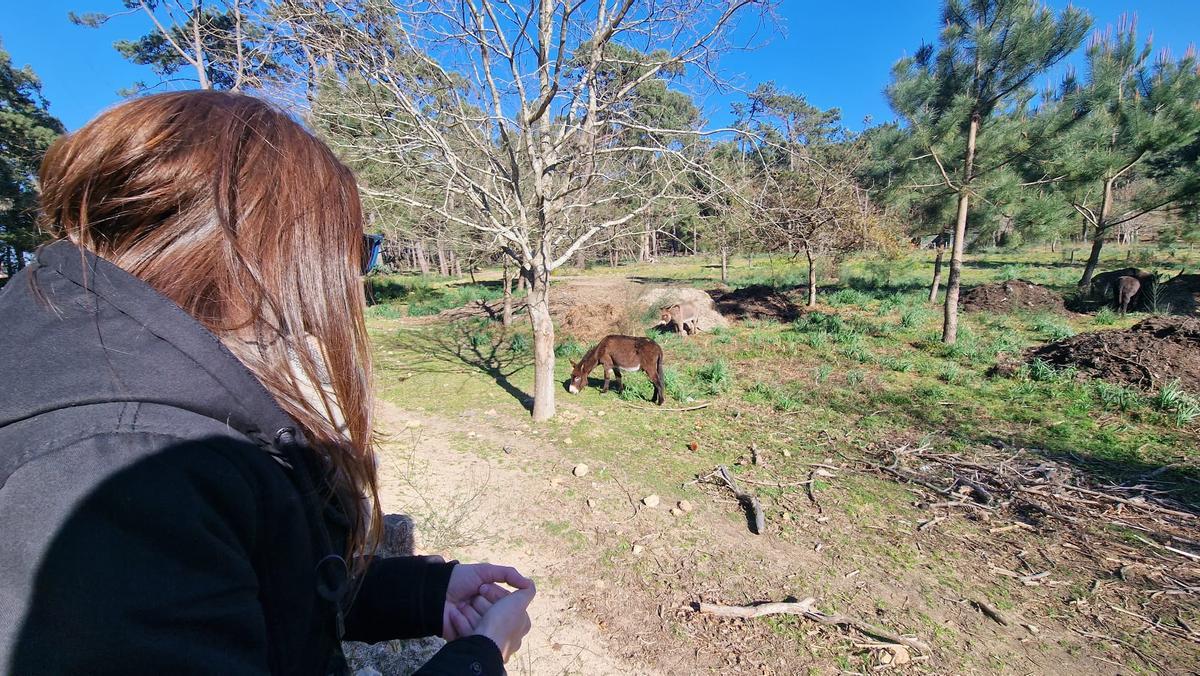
(472,592)
(506,621)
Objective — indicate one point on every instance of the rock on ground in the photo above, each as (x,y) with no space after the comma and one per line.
(392,658)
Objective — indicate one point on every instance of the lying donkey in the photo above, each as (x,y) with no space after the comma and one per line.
(618,354)
(682,315)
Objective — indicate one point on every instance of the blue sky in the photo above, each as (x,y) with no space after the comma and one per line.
(837,53)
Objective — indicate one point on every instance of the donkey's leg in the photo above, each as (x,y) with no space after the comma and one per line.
(606,372)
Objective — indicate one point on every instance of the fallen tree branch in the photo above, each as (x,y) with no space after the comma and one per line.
(748,500)
(805,609)
(697,407)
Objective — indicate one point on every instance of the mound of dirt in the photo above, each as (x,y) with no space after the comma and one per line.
(759,301)
(659,297)
(1147,355)
(1017,294)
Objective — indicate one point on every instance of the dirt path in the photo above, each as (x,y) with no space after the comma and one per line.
(477,508)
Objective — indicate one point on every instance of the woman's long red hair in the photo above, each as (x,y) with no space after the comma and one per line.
(233,210)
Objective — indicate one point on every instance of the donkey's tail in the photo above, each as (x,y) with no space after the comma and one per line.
(658,364)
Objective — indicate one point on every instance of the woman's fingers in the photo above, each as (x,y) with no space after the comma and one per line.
(493,592)
(462,627)
(481,605)
(506,574)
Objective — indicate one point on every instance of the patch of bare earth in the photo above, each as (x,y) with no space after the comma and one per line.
(1149,354)
(619,580)
(1011,296)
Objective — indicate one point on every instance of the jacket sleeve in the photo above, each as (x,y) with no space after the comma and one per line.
(144,564)
(470,655)
(399,597)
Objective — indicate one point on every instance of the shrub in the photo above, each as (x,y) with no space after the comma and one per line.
(1052,327)
(913,316)
(823,372)
(569,349)
(855,377)
(384,311)
(1171,398)
(1105,316)
(715,378)
(520,344)
(1115,396)
(847,297)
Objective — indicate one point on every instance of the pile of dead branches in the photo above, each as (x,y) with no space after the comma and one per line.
(1136,534)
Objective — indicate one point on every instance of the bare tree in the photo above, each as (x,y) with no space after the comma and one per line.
(224,44)
(517,122)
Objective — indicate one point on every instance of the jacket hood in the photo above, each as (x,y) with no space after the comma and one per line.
(78,330)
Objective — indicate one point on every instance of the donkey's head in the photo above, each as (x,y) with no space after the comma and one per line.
(668,313)
(578,379)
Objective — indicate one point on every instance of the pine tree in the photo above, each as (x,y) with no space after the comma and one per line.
(1128,154)
(26,130)
(988,52)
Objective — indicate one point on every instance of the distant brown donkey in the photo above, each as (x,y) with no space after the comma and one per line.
(617,354)
(1125,290)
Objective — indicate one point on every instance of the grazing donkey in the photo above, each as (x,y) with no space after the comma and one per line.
(618,354)
(1124,291)
(682,315)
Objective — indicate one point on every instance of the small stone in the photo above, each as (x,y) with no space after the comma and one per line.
(685,506)
(637,549)
(470,435)
(650,501)
(491,412)
(600,413)
(787,453)
(567,441)
(580,469)
(675,511)
(413,423)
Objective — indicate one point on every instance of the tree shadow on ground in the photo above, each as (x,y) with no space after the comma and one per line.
(450,347)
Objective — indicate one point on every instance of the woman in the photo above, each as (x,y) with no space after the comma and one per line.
(187,483)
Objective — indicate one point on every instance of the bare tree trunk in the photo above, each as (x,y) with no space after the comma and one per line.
(937,274)
(812,277)
(1098,235)
(581,259)
(644,251)
(724,265)
(455,263)
(506,316)
(538,303)
(422,258)
(950,321)
(443,261)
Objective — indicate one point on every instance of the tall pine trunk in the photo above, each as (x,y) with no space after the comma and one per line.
(1098,235)
(538,304)
(950,321)
(724,265)
(937,273)
(812,277)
